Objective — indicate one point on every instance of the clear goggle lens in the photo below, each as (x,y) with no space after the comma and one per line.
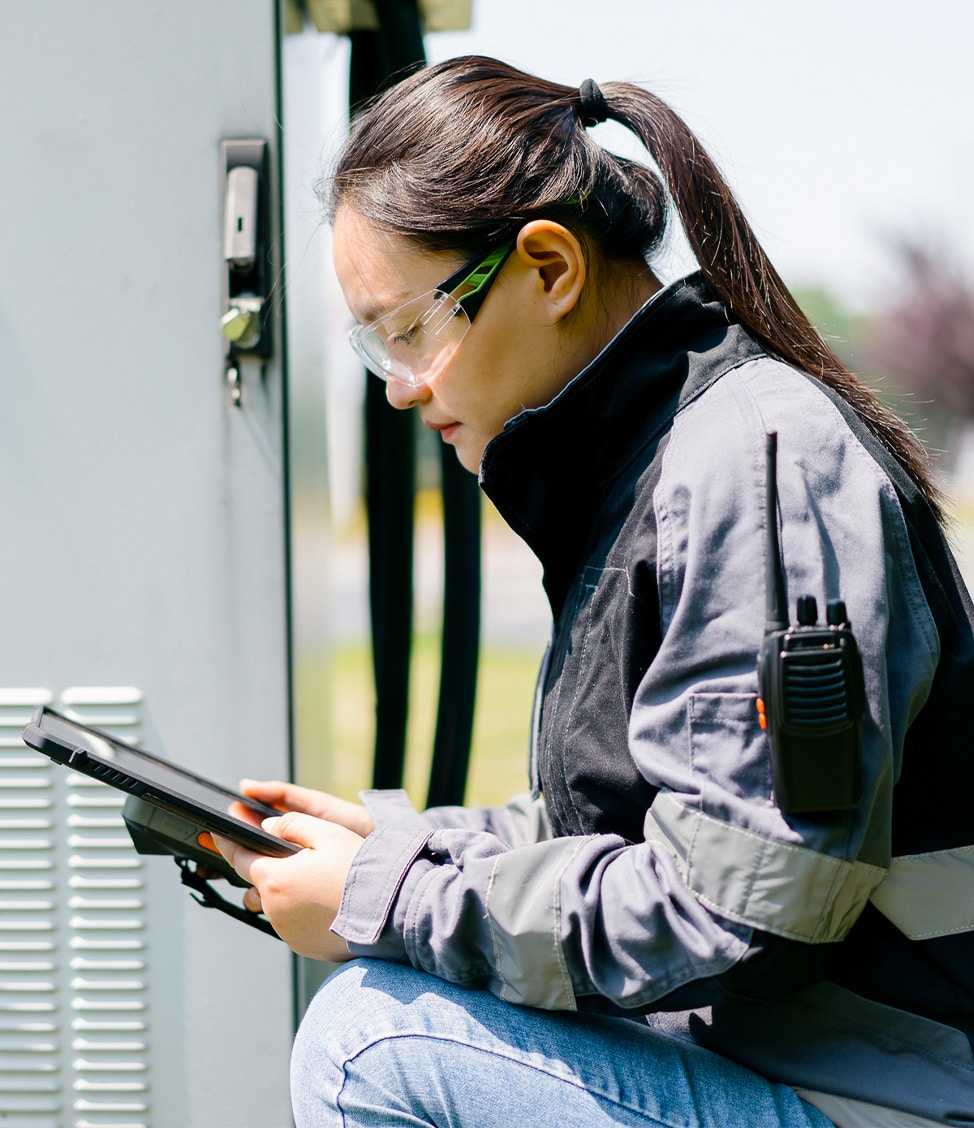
(412,342)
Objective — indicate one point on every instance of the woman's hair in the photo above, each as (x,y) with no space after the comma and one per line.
(459,155)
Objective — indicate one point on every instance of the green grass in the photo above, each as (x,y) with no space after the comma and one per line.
(335,722)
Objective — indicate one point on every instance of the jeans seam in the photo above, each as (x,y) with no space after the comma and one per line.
(507,1057)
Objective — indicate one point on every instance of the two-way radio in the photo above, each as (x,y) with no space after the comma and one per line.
(812,695)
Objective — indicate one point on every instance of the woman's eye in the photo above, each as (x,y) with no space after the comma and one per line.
(405,336)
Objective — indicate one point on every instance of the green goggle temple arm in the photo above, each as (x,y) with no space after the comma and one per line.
(478,280)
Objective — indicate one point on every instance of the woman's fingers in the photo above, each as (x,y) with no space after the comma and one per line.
(291,797)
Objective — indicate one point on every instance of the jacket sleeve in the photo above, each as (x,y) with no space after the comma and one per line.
(519,822)
(724,882)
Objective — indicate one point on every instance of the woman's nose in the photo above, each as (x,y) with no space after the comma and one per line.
(403,396)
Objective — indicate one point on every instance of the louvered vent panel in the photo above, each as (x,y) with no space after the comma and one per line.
(74,990)
(31,1017)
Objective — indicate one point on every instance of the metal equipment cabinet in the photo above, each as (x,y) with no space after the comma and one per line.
(143,576)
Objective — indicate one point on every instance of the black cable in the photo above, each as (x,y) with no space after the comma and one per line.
(378,59)
(461,633)
(390,475)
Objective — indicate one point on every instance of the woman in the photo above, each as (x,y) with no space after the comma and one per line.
(780,968)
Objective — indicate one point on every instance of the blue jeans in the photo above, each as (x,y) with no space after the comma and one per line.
(385,1045)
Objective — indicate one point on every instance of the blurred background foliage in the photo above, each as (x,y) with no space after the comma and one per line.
(916,349)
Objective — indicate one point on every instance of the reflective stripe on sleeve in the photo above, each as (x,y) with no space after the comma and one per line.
(774,886)
(524,914)
(929,895)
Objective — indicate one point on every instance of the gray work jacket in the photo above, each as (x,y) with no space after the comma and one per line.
(650,870)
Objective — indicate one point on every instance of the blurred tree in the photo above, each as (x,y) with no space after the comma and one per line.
(924,340)
(842,330)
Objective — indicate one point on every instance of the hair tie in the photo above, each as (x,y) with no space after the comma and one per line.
(592,107)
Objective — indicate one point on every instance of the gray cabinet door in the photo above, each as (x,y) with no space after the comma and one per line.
(143,579)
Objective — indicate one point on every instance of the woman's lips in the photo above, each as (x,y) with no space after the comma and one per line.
(446,430)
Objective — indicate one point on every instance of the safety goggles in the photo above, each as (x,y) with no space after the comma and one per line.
(413,341)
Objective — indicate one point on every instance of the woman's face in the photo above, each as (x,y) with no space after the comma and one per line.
(515,355)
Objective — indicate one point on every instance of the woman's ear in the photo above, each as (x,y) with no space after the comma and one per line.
(554,255)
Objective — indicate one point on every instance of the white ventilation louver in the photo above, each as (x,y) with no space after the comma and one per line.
(75,1027)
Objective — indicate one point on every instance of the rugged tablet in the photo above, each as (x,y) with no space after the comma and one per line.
(168,807)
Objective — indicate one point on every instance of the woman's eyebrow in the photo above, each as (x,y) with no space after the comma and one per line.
(372,313)
(378,308)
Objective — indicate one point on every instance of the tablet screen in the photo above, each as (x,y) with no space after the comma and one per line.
(138,772)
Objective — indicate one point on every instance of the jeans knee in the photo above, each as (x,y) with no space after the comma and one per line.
(357,1007)
(327,1028)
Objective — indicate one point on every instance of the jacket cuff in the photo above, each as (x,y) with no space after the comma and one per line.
(391,807)
(385,862)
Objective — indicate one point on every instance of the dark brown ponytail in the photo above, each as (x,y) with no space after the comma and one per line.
(458,156)
(743,278)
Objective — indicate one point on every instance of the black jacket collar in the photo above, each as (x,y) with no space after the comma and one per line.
(550,470)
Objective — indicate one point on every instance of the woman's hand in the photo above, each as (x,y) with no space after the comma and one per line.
(290,797)
(300,894)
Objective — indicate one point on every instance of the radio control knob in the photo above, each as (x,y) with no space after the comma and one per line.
(807,610)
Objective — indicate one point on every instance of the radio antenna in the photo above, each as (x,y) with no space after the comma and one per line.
(777,600)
